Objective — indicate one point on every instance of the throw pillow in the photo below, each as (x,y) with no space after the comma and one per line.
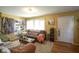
(5,50)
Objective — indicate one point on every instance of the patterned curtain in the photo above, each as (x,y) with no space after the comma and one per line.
(7,25)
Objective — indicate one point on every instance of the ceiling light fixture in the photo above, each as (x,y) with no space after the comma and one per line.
(30,10)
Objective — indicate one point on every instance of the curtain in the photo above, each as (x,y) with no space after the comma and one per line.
(7,25)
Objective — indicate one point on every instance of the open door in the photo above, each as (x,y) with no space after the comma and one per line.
(66,29)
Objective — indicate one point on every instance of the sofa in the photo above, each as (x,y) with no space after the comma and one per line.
(28,48)
(35,33)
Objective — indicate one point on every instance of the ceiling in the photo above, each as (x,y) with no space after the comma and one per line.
(41,10)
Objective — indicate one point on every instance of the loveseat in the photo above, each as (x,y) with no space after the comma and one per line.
(35,33)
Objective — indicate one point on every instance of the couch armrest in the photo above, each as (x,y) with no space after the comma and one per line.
(28,48)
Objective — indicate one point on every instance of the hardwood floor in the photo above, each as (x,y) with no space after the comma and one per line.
(62,47)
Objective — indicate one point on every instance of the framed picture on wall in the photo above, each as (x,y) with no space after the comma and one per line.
(51,21)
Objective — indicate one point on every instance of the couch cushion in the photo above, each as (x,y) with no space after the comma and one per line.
(41,37)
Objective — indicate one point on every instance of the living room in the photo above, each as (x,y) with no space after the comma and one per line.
(39,29)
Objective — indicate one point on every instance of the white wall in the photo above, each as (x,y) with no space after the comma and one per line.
(65,26)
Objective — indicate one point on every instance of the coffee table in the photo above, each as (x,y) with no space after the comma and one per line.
(27,40)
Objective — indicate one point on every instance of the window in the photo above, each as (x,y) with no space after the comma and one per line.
(17,26)
(36,24)
(30,24)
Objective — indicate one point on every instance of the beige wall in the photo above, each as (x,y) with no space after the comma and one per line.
(76,29)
